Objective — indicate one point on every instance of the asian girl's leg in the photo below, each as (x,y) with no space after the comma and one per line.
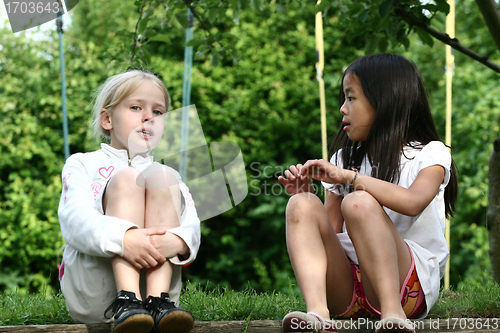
(321,266)
(384,258)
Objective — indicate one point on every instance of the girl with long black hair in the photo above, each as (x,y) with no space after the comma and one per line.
(376,247)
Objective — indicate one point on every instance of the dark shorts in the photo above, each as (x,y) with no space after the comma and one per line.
(412,296)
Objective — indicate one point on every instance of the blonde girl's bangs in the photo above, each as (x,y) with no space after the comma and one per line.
(115,90)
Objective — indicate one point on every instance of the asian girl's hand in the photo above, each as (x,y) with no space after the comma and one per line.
(326,172)
(407,201)
(293,183)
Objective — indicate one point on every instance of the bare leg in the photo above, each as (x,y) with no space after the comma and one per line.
(383,255)
(321,266)
(163,209)
(125,199)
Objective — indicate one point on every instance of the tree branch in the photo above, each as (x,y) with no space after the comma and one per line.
(412,20)
(135,32)
(491,14)
(203,26)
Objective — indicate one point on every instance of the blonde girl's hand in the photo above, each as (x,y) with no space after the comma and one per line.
(169,245)
(325,171)
(293,183)
(138,250)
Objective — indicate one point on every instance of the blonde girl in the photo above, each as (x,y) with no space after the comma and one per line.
(122,213)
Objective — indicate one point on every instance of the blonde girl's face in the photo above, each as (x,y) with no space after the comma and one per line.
(136,124)
(357,110)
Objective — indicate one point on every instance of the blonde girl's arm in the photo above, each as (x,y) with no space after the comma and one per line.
(407,201)
(83,227)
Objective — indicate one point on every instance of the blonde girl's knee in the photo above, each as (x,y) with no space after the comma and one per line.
(126,179)
(162,179)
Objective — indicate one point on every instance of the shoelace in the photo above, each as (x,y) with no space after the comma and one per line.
(121,304)
(159,303)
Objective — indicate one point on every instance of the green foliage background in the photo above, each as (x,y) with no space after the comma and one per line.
(266,102)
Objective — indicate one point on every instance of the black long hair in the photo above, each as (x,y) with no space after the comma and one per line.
(402,117)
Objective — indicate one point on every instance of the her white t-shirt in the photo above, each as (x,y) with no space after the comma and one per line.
(423,233)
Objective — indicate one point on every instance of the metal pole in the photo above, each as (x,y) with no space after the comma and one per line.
(450,65)
(320,65)
(59,23)
(186,97)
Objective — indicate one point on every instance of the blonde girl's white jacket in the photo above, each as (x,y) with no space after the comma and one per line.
(93,238)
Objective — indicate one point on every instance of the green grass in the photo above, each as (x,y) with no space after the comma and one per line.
(225,304)
(32,309)
(206,304)
(471,302)
(221,304)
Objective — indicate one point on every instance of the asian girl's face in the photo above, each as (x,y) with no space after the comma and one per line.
(357,110)
(136,123)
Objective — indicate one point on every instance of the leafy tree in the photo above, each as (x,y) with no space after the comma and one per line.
(209,93)
(475,118)
(32,144)
(256,104)
(30,149)
(469,236)
(267,103)
(384,22)
(392,21)
(474,127)
(376,24)
(265,100)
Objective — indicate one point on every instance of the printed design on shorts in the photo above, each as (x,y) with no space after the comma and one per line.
(413,296)
(412,300)
(65,184)
(360,307)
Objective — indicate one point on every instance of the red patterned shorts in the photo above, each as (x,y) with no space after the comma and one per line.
(412,296)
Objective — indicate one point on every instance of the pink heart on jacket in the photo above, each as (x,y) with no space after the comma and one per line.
(106,172)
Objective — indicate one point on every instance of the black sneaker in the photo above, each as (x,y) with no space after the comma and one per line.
(130,315)
(169,318)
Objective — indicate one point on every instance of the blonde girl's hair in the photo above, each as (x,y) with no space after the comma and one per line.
(115,90)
